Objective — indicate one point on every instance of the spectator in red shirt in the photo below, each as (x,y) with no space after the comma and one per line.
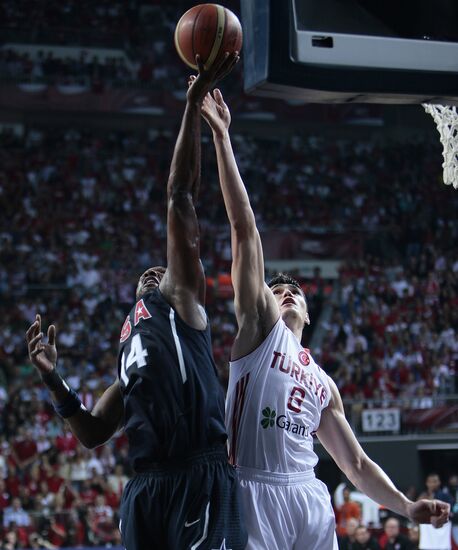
(33,479)
(111,498)
(42,412)
(101,520)
(87,493)
(76,531)
(24,449)
(348,388)
(54,480)
(349,509)
(12,481)
(4,496)
(57,532)
(66,443)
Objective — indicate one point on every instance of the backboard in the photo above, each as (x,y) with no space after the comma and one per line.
(339,51)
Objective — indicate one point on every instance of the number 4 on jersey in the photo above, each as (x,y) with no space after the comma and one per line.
(136,355)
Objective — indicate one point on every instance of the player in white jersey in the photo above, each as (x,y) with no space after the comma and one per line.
(278,396)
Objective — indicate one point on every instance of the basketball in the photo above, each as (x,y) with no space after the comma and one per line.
(207,30)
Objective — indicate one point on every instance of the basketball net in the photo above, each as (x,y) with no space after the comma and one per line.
(446,119)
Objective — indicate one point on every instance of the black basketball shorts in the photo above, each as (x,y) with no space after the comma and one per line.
(187,506)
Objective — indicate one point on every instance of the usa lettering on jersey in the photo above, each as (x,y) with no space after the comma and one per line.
(126,330)
(141,312)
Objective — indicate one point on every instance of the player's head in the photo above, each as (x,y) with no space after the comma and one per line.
(149,280)
(290,297)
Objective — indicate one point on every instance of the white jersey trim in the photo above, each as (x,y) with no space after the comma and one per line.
(246,356)
(176,339)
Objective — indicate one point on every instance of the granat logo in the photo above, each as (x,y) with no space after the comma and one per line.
(271,419)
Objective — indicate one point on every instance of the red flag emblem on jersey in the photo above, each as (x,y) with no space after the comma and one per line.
(141,312)
(126,330)
(304,358)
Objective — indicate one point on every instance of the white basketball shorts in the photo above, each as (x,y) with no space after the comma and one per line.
(286,511)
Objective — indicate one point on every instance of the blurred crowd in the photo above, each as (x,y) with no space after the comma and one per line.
(84,215)
(390,531)
(127,18)
(140,36)
(393,331)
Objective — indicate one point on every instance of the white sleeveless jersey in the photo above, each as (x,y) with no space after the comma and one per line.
(274,403)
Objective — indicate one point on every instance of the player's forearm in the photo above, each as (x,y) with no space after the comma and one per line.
(185,167)
(235,196)
(90,429)
(369,478)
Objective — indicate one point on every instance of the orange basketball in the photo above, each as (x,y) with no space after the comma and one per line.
(208,30)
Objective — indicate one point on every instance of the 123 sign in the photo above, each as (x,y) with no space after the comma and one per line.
(381,420)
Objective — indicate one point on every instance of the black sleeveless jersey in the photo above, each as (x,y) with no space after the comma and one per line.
(173,401)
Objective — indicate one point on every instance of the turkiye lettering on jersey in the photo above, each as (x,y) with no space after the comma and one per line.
(307,379)
(273,406)
(141,312)
(126,330)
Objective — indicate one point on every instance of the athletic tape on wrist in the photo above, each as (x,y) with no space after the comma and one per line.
(70,406)
(52,380)
(71,403)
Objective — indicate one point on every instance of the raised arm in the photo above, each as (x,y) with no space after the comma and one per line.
(255,307)
(184,282)
(339,440)
(92,428)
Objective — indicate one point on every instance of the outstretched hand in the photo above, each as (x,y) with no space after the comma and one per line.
(434,511)
(43,356)
(207,78)
(215,111)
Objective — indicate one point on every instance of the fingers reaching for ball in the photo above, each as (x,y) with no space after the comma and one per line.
(225,66)
(199,86)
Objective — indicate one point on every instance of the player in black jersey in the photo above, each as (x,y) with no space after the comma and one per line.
(167,396)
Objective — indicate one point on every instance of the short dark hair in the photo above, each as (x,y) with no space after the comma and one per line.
(284,279)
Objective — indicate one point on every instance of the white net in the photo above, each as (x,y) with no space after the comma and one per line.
(446,119)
